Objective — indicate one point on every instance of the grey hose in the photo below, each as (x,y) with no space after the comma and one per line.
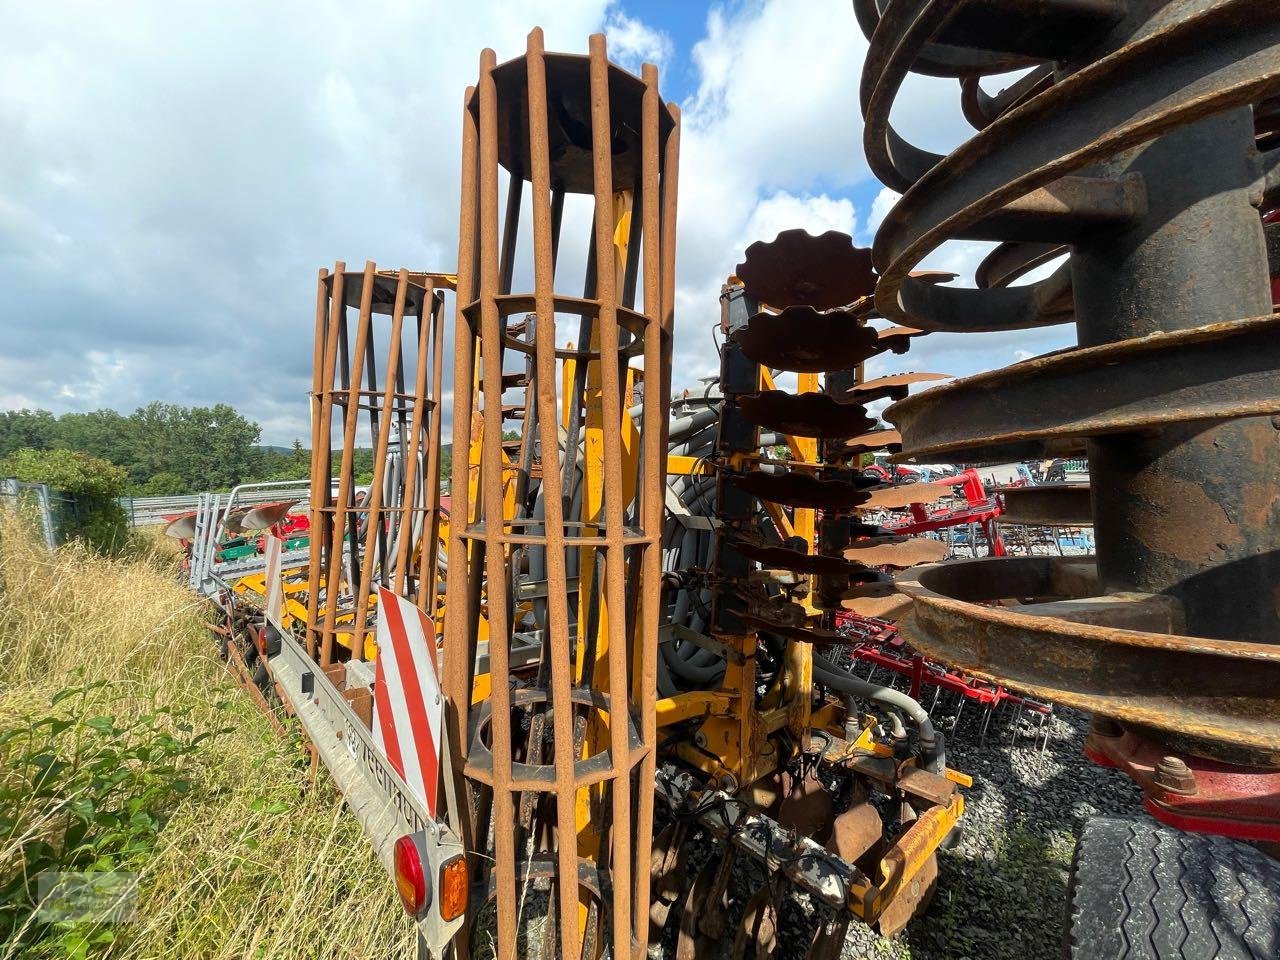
(931,745)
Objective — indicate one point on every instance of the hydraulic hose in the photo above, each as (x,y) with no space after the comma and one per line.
(932,751)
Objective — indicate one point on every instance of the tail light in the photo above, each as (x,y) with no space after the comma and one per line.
(453,888)
(411,879)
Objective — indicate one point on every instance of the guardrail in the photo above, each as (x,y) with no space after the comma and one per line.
(147,511)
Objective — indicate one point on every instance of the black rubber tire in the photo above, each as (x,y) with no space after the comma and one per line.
(1141,891)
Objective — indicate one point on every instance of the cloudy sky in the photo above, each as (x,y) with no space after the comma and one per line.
(173,173)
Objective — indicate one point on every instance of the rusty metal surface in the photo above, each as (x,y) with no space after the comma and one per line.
(1179,71)
(806,805)
(881,608)
(377,385)
(1129,151)
(806,414)
(903,495)
(1216,691)
(876,440)
(803,490)
(896,551)
(912,899)
(1214,372)
(1048,505)
(791,631)
(828,939)
(894,386)
(552,124)
(855,832)
(785,558)
(796,268)
(803,340)
(758,930)
(898,339)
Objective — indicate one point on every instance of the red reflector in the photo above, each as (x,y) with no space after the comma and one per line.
(262,640)
(411,881)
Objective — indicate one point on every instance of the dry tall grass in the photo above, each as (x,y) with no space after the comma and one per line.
(251,862)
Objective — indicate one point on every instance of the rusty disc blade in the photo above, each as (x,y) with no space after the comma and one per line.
(894,386)
(803,490)
(881,588)
(803,340)
(807,807)
(757,936)
(779,557)
(791,631)
(904,495)
(691,942)
(887,440)
(874,599)
(898,552)
(828,939)
(798,268)
(805,414)
(898,339)
(668,860)
(881,608)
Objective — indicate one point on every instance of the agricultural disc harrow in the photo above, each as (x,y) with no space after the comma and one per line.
(766,745)
(1127,157)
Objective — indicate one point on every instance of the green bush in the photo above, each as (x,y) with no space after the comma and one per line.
(88,793)
(92,484)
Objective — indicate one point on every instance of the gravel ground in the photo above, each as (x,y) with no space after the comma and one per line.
(1002,888)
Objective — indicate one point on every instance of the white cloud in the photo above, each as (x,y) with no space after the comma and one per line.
(880,208)
(784,211)
(173,175)
(632,42)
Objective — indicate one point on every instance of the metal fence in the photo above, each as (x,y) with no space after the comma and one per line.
(45,504)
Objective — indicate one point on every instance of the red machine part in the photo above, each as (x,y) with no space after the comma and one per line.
(878,641)
(1192,793)
(294,525)
(979,509)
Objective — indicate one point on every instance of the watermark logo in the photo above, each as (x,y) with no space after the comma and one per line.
(105,896)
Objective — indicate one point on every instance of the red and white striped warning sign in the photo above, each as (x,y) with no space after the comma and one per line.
(408,705)
(273,548)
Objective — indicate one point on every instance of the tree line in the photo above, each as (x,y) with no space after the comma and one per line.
(164,449)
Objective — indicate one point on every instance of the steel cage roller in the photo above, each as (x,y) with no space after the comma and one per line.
(382,383)
(559,761)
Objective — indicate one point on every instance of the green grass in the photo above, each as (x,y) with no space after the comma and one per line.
(125,746)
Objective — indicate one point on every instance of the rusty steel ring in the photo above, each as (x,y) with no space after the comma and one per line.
(1210,62)
(1131,151)
(1219,690)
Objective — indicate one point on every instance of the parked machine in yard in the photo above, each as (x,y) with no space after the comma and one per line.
(639,620)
